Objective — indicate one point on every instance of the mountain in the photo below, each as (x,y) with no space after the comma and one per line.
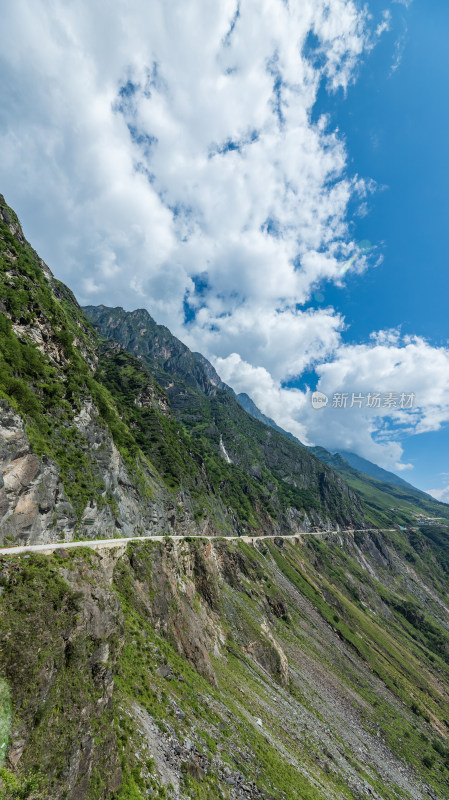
(297,668)
(363,465)
(386,496)
(287,486)
(249,406)
(98,441)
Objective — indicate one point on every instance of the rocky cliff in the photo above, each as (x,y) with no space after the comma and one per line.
(282,669)
(96,441)
(306,669)
(280,475)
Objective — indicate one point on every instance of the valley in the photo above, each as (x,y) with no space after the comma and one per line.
(192,603)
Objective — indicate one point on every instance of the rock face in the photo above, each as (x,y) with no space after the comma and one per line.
(35,509)
(33,506)
(121,438)
(296,669)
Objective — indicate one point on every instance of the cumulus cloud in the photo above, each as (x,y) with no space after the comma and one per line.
(165,155)
(440,494)
(388,365)
(168,141)
(283,342)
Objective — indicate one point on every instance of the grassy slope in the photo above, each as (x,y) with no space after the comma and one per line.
(371,469)
(364,628)
(181,455)
(287,475)
(380,497)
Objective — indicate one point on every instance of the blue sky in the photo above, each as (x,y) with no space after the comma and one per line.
(396,125)
(219,165)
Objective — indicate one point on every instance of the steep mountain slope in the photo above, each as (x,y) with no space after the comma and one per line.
(69,465)
(249,406)
(303,670)
(385,500)
(363,465)
(194,669)
(285,479)
(92,445)
(386,496)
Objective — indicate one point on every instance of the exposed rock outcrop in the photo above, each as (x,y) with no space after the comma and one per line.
(160,669)
(33,506)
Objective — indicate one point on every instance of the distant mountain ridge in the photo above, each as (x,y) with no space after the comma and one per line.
(278,477)
(138,333)
(369,468)
(381,489)
(249,406)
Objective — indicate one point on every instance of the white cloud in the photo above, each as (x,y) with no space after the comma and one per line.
(400,45)
(160,140)
(440,494)
(385,24)
(282,342)
(388,364)
(160,152)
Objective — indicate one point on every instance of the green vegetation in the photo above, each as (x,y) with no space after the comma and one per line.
(5,718)
(155,431)
(152,630)
(271,661)
(384,501)
(13,788)
(42,646)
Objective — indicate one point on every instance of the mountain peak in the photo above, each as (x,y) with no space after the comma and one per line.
(138,332)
